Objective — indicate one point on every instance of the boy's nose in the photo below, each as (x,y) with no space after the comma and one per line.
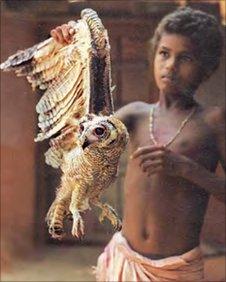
(171,64)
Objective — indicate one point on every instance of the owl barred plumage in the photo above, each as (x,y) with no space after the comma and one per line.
(77,108)
(86,175)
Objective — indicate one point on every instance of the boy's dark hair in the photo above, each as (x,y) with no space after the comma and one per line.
(203,31)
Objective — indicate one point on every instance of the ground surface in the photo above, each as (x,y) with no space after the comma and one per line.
(75,263)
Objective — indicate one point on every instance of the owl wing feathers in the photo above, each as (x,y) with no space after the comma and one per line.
(54,157)
(67,139)
(75,78)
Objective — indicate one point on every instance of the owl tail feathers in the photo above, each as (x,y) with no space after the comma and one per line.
(54,157)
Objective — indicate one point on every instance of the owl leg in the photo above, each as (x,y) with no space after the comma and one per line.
(55,217)
(109,213)
(76,206)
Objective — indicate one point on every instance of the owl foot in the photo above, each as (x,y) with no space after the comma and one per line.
(54,220)
(56,232)
(110,214)
(115,221)
(78,226)
(118,225)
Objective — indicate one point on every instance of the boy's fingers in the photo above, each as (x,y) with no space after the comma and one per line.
(147,149)
(156,155)
(54,34)
(71,31)
(60,36)
(150,165)
(154,171)
(65,31)
(63,34)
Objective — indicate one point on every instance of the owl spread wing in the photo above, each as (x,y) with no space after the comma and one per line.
(76,78)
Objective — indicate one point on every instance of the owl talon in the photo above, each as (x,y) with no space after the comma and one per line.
(56,232)
(78,226)
(118,225)
(54,220)
(101,218)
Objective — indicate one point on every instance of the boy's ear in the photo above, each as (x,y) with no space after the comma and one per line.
(207,74)
(204,74)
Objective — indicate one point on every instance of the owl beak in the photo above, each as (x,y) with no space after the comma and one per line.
(90,139)
(86,143)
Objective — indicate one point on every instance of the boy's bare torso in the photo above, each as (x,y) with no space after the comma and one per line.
(163,215)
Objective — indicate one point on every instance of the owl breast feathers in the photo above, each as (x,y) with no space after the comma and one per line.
(88,169)
(77,109)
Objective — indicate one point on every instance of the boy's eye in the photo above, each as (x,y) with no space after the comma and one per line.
(164,54)
(186,59)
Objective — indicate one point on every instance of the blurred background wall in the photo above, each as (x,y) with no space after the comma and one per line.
(27,184)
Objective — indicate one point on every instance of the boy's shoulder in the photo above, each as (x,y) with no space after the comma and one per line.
(135,108)
(214,115)
(131,113)
(139,104)
(135,104)
(214,118)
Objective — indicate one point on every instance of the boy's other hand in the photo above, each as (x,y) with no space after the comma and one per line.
(155,158)
(63,34)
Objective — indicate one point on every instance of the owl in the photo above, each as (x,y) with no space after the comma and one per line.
(76,114)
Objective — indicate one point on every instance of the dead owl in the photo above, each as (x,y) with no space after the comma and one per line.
(76,111)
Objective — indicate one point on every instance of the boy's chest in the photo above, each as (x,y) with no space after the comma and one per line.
(195,139)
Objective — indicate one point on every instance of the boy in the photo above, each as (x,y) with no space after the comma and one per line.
(175,146)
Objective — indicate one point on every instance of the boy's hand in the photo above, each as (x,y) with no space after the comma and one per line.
(63,34)
(154,159)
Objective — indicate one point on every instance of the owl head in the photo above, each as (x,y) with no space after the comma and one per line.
(103,132)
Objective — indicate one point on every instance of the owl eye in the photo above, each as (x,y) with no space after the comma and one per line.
(99,131)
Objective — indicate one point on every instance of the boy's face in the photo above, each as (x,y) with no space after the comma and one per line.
(176,69)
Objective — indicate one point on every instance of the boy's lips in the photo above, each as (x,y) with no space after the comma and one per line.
(169,78)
